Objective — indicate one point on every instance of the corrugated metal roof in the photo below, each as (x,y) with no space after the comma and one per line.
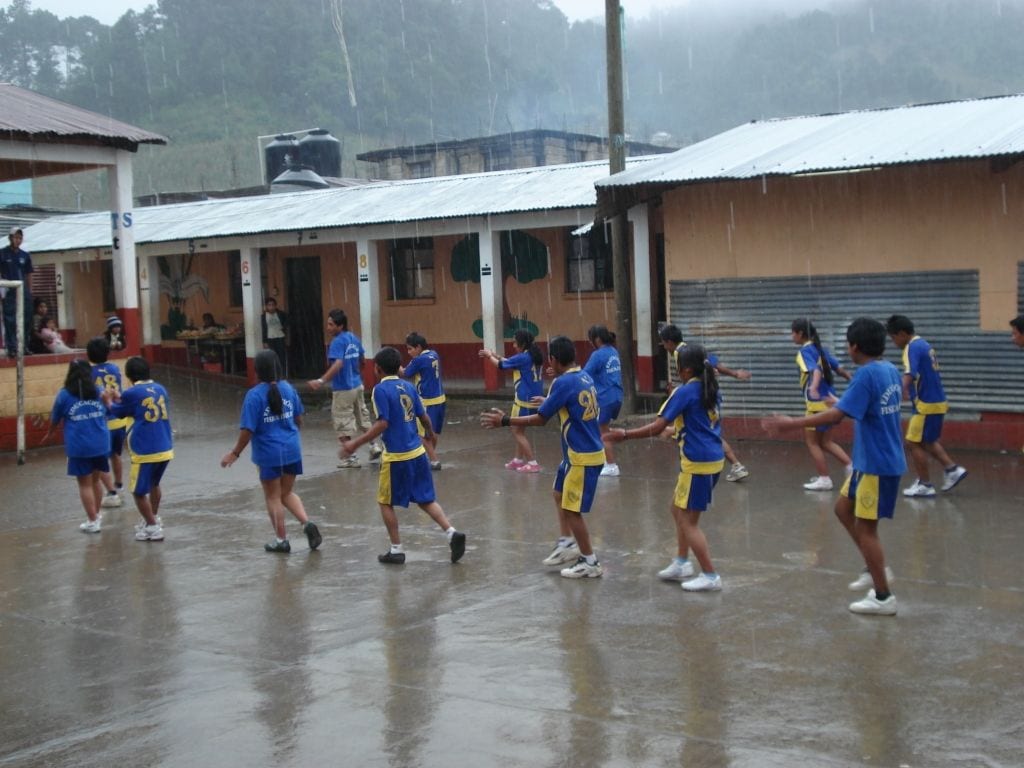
(553,187)
(25,114)
(786,146)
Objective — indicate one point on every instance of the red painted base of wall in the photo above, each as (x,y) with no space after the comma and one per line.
(35,427)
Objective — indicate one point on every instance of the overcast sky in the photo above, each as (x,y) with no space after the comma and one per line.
(109,11)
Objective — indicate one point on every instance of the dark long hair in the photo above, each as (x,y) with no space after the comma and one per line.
(804,326)
(695,358)
(524,340)
(601,332)
(78,381)
(268,370)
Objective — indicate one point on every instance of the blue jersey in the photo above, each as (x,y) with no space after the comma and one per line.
(807,360)
(698,430)
(85,425)
(425,372)
(526,377)
(107,376)
(149,437)
(926,392)
(347,348)
(15,264)
(873,400)
(573,397)
(396,402)
(275,437)
(605,369)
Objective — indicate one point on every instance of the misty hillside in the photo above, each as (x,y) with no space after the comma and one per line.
(214,76)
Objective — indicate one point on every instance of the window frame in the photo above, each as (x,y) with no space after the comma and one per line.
(590,248)
(414,253)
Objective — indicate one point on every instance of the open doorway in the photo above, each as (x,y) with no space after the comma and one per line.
(307,358)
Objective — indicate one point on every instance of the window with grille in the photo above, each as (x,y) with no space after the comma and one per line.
(412,269)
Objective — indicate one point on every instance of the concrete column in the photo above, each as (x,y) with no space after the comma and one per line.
(126,291)
(149,303)
(491,286)
(640,217)
(252,307)
(64,277)
(369,304)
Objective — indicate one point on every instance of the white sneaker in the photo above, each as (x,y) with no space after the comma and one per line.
(917,488)
(376,451)
(150,533)
(864,580)
(352,462)
(563,553)
(514,463)
(703,583)
(610,470)
(142,524)
(872,605)
(90,526)
(111,500)
(736,472)
(953,477)
(583,570)
(435,466)
(676,571)
(823,483)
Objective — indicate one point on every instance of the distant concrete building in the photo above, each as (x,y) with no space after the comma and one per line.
(504,152)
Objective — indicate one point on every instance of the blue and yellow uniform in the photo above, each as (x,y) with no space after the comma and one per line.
(699,433)
(926,392)
(873,400)
(605,369)
(574,398)
(107,376)
(276,446)
(527,382)
(425,372)
(404,468)
(86,437)
(149,441)
(347,348)
(808,360)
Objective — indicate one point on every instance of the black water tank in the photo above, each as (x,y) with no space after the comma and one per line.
(297,178)
(284,149)
(321,151)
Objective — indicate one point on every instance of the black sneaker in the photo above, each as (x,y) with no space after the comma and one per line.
(394,558)
(458,545)
(278,546)
(313,534)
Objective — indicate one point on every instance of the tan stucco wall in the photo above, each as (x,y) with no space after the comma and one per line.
(958,215)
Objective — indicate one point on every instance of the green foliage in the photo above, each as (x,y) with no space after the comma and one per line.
(214,75)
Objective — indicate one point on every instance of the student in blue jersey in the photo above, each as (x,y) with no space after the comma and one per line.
(424,369)
(574,398)
(404,469)
(149,442)
(818,369)
(86,438)
(348,405)
(692,410)
(922,386)
(527,367)
(605,369)
(870,492)
(271,419)
(671,341)
(107,376)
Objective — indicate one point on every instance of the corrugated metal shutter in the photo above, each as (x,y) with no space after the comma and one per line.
(747,321)
(1020,287)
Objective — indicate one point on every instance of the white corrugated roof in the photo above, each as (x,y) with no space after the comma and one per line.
(552,187)
(786,146)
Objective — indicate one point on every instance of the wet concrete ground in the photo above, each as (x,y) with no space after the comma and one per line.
(204,650)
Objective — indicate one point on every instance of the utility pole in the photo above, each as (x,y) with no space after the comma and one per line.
(613,21)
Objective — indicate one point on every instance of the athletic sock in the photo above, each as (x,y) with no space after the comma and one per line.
(450,532)
(591,559)
(682,560)
(396,549)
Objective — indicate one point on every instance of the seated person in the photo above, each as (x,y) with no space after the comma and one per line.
(51,339)
(115,333)
(209,324)
(41,311)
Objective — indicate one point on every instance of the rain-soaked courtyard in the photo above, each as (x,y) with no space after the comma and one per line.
(204,650)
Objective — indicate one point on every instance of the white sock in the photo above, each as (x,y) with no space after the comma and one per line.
(396,548)
(450,532)
(566,541)
(591,559)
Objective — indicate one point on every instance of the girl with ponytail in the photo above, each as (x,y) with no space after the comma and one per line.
(271,418)
(692,409)
(527,367)
(818,367)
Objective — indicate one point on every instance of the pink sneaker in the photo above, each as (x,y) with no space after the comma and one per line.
(529,468)
(515,464)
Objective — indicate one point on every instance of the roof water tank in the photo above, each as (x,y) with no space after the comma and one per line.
(297,178)
(278,154)
(321,151)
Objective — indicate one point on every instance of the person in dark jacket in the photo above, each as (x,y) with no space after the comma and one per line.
(275,331)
